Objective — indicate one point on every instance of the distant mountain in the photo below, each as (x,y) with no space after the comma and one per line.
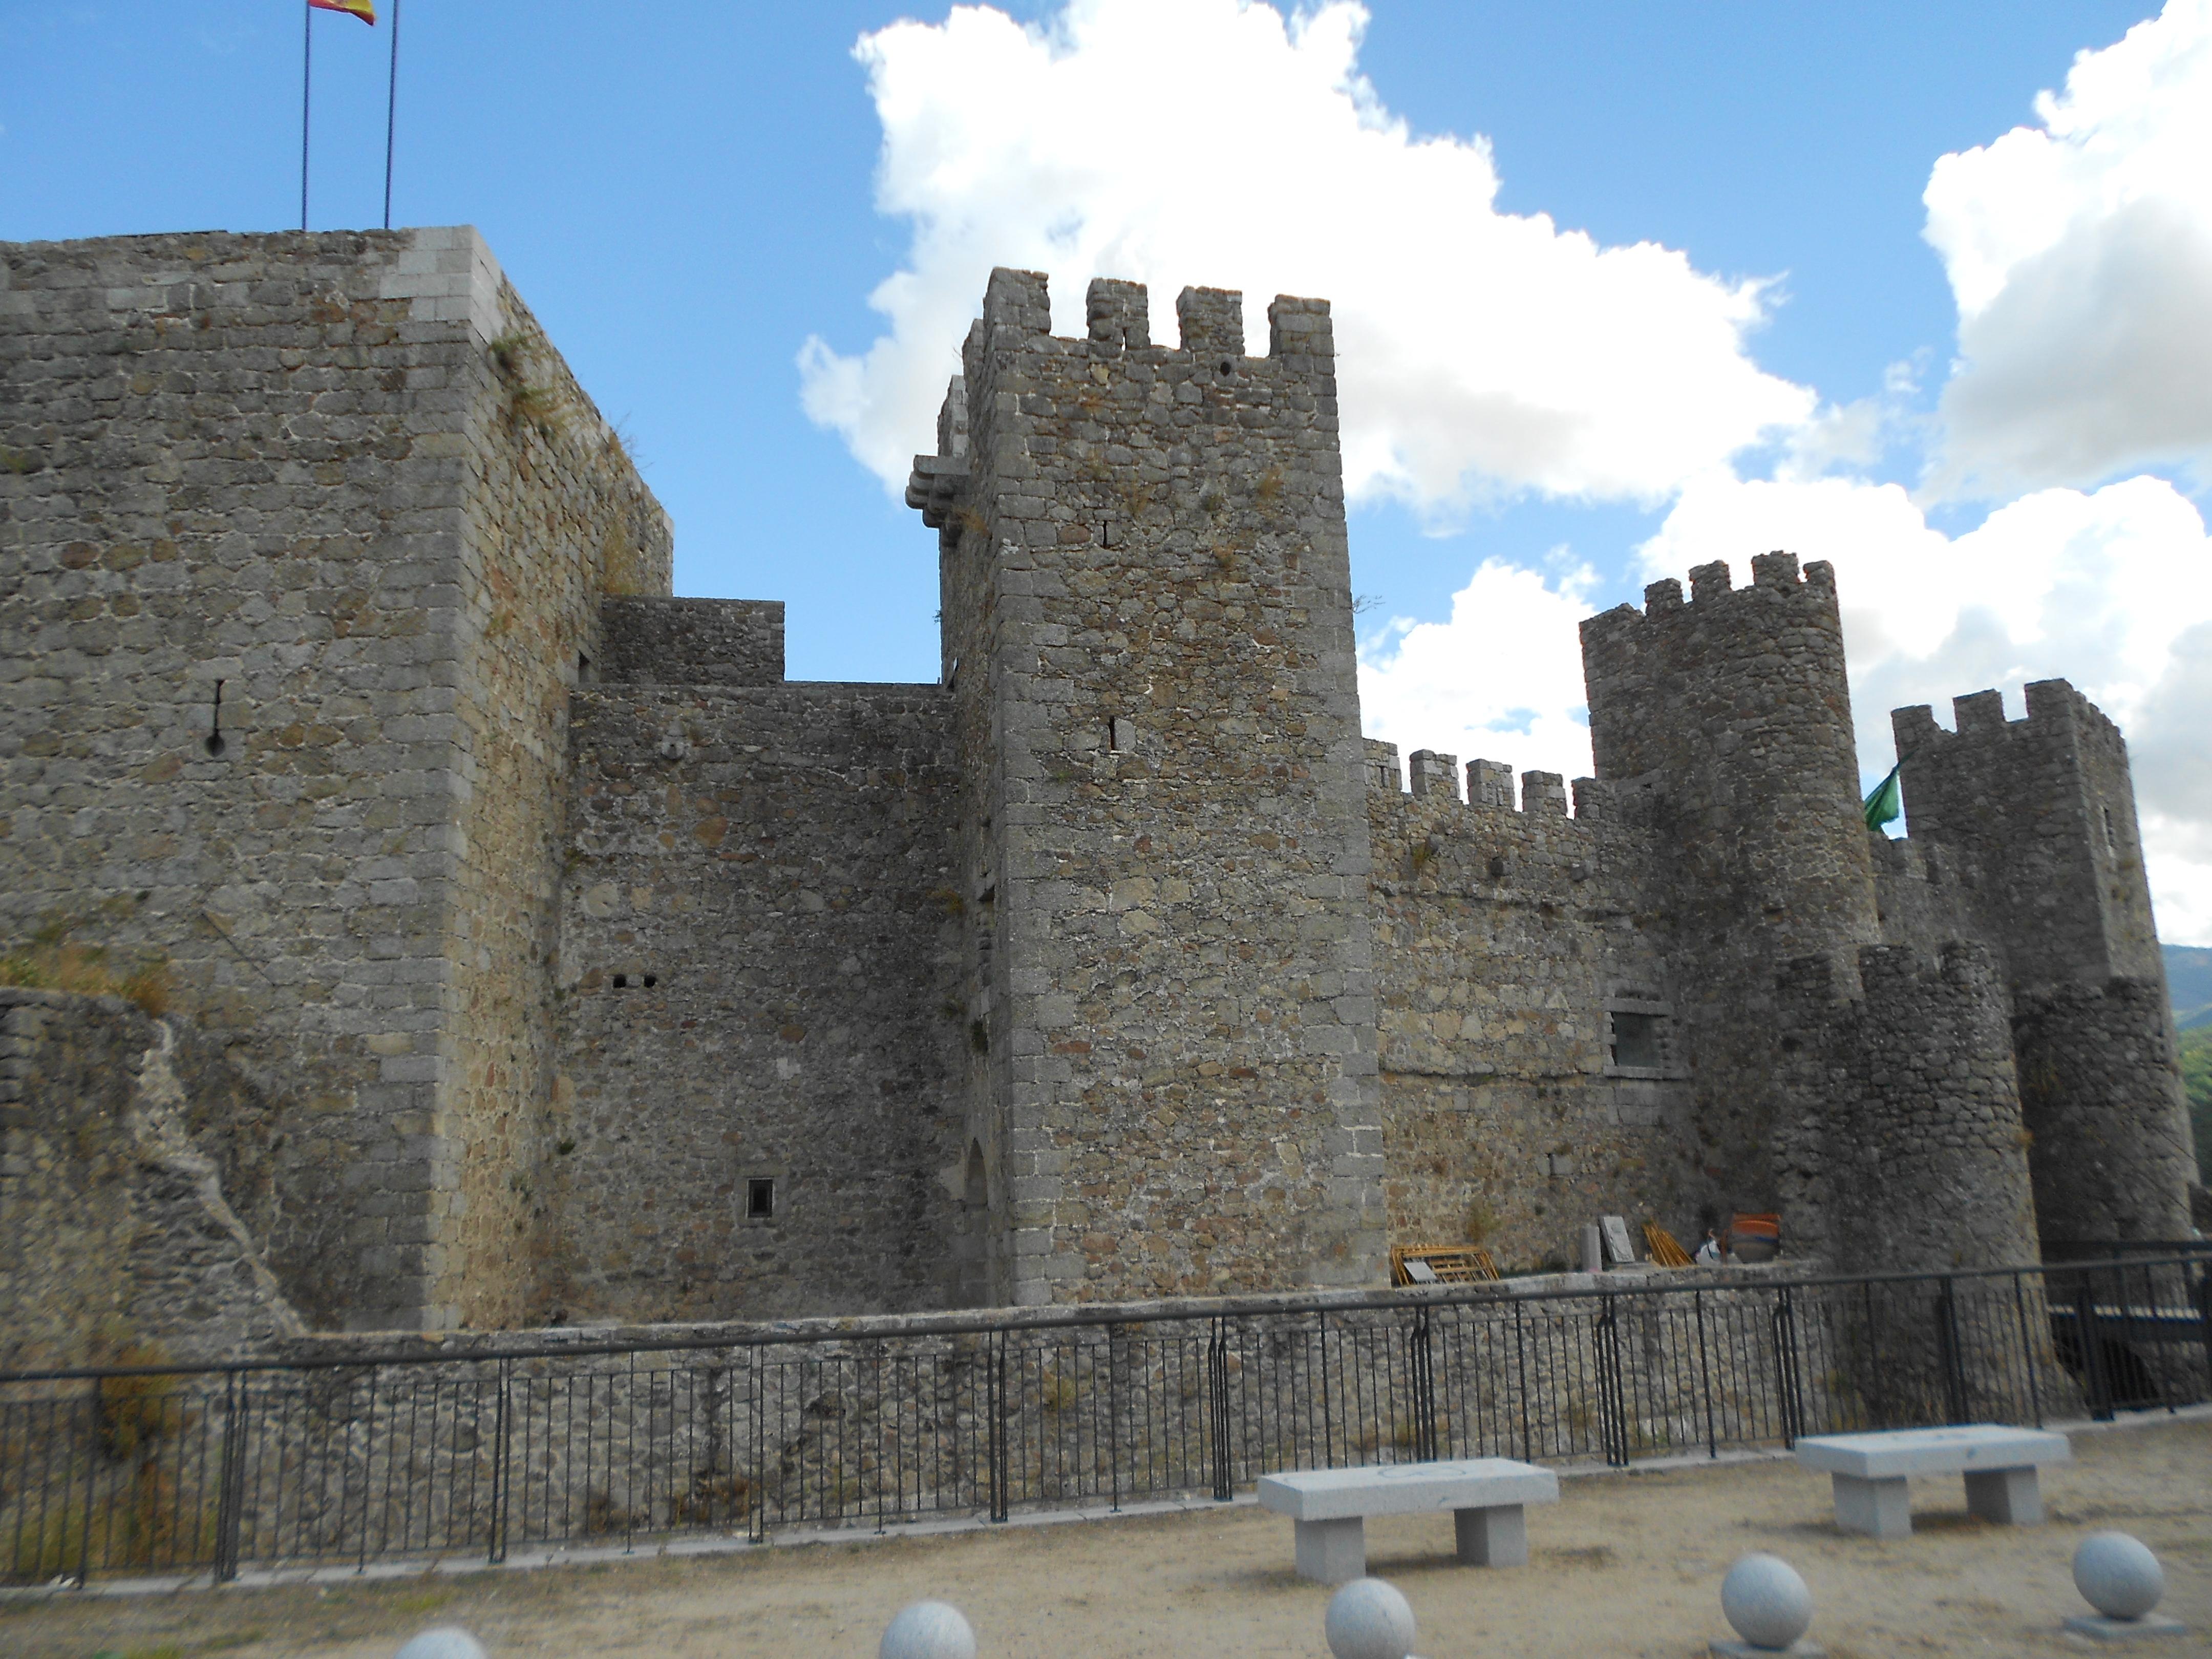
(2188,983)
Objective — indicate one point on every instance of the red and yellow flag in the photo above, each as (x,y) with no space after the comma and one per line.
(364,9)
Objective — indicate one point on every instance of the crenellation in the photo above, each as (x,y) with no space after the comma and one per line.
(1211,320)
(1490,783)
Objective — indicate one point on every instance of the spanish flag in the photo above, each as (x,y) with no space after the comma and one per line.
(364,9)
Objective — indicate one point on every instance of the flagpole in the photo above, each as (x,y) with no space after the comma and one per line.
(307,88)
(390,112)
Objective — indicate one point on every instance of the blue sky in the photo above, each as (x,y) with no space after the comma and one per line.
(687,195)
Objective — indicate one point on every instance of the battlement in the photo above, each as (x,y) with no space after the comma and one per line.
(1489,783)
(1017,313)
(2055,708)
(1712,586)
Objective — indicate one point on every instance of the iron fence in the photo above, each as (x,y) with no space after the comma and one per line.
(137,1469)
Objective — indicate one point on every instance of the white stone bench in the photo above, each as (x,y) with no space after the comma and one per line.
(1870,1472)
(1485,1495)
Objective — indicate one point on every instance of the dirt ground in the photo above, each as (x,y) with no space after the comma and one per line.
(1626,1563)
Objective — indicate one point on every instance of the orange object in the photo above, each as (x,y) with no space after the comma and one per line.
(1666,1249)
(1448,1264)
(364,9)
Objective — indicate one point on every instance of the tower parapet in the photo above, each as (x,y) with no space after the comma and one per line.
(1147,628)
(1730,714)
(2039,815)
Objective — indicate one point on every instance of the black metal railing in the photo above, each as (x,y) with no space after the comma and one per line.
(360,1457)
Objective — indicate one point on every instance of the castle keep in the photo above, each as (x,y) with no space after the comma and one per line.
(537,952)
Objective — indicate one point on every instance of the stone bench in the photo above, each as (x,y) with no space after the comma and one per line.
(1485,1495)
(1870,1472)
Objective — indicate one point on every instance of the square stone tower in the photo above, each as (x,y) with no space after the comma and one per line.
(1147,630)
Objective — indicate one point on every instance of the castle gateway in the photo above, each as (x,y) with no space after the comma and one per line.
(535,952)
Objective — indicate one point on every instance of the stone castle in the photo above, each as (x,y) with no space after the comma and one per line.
(537,952)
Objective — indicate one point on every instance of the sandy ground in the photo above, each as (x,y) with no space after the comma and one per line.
(1626,1563)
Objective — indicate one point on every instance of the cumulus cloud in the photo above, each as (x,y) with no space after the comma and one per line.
(1480,352)
(1501,681)
(2080,252)
(2110,589)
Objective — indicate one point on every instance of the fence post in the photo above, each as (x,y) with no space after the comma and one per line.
(2027,1345)
(2204,1322)
(1785,1347)
(760,1444)
(496,1549)
(995,1379)
(1705,1375)
(230,1480)
(1612,1397)
(1217,1404)
(1327,1405)
(2092,1344)
(1421,1362)
(1947,1345)
(91,1483)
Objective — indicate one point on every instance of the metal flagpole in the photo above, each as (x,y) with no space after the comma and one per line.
(391,110)
(307,84)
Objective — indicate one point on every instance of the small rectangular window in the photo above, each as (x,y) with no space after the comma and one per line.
(1636,1042)
(760,1198)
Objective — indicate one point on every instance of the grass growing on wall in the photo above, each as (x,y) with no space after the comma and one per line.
(51,961)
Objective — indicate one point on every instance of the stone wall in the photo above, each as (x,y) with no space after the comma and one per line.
(1148,633)
(1903,1147)
(1508,941)
(759,964)
(2037,817)
(122,1133)
(300,541)
(1724,724)
(692,641)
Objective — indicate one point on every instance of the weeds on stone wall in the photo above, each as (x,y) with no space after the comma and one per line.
(51,961)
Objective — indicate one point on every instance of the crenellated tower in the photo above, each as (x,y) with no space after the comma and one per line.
(1147,630)
(1725,723)
(2036,819)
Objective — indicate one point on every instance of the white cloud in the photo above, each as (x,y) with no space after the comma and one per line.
(1501,681)
(1480,352)
(2080,252)
(2109,590)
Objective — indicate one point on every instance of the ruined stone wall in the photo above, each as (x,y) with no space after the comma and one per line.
(117,1245)
(1902,1146)
(759,965)
(2038,817)
(296,468)
(1507,942)
(1147,596)
(1730,717)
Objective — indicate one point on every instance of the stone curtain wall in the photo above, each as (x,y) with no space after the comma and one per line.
(2037,817)
(123,1134)
(1904,1148)
(1731,717)
(296,465)
(760,955)
(660,641)
(1148,625)
(1506,939)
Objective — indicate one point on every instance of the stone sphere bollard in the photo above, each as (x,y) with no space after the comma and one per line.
(447,1642)
(2118,1574)
(1369,1620)
(1766,1601)
(928,1629)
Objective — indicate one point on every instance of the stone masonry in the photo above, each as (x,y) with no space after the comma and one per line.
(553,959)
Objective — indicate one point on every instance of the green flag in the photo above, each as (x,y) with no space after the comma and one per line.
(1885,805)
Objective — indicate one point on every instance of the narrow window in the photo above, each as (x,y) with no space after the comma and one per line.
(215,744)
(1636,1042)
(2112,837)
(760,1198)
